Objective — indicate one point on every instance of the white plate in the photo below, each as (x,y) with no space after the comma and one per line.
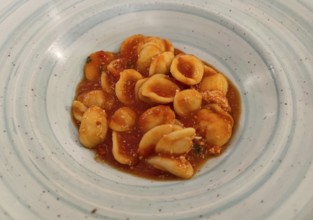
(264,47)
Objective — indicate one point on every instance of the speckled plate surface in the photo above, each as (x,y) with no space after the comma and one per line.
(264,47)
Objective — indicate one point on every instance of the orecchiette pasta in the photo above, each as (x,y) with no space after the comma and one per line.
(95,63)
(106,84)
(145,56)
(116,66)
(152,110)
(168,46)
(129,47)
(118,152)
(125,86)
(78,109)
(177,166)
(161,44)
(155,116)
(219,110)
(187,101)
(123,119)
(96,97)
(214,82)
(138,94)
(214,126)
(161,63)
(208,70)
(158,88)
(94,126)
(187,69)
(176,142)
(150,139)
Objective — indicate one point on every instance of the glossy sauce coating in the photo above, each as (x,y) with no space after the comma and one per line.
(185,68)
(129,140)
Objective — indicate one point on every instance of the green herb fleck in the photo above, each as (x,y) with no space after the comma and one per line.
(197,148)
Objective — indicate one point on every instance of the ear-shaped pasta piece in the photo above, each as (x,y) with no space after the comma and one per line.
(187,101)
(96,62)
(216,97)
(153,41)
(219,110)
(145,56)
(129,47)
(78,109)
(123,119)
(138,95)
(187,69)
(106,84)
(214,126)
(162,44)
(176,142)
(116,66)
(161,63)
(168,46)
(152,137)
(177,166)
(98,98)
(208,71)
(158,89)
(93,128)
(125,86)
(155,116)
(92,71)
(120,154)
(214,82)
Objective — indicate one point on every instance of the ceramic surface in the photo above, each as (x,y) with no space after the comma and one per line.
(264,47)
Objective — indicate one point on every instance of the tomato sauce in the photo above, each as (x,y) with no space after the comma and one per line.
(198,155)
(185,68)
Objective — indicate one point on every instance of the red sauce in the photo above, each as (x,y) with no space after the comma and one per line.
(185,68)
(169,92)
(86,86)
(129,51)
(130,140)
(129,89)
